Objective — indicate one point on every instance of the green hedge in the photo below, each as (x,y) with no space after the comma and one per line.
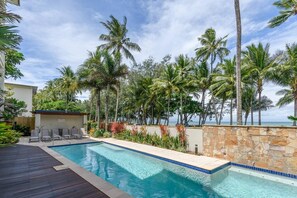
(7,135)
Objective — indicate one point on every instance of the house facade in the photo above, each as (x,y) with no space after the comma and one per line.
(24,93)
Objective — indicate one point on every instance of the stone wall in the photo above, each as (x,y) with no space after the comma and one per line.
(194,135)
(273,148)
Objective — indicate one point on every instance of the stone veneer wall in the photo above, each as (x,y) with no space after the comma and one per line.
(273,148)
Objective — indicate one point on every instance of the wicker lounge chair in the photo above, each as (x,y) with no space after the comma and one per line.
(45,135)
(56,135)
(34,136)
(65,133)
(75,133)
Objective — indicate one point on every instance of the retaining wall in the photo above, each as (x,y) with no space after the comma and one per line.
(273,148)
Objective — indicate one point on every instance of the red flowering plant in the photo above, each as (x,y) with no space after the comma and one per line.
(164,131)
(181,129)
(116,127)
(134,130)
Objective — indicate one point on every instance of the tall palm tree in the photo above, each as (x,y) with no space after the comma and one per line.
(224,83)
(287,8)
(260,65)
(238,63)
(212,47)
(167,84)
(286,75)
(183,65)
(110,73)
(88,77)
(68,83)
(116,39)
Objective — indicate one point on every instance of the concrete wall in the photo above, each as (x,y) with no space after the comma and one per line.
(23,93)
(194,135)
(59,121)
(273,148)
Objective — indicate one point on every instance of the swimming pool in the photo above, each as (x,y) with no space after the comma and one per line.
(143,176)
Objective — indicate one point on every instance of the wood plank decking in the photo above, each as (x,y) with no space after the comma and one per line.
(27,171)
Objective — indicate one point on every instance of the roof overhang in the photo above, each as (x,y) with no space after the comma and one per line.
(57,112)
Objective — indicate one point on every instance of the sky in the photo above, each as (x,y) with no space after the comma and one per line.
(60,33)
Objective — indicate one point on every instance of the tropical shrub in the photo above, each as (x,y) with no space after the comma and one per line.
(116,127)
(106,134)
(98,133)
(181,129)
(164,130)
(164,141)
(25,130)
(7,135)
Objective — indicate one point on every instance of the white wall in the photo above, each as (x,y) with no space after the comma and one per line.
(23,93)
(194,135)
(59,121)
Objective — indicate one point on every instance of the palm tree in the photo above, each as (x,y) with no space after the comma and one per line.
(238,63)
(287,8)
(183,65)
(224,83)
(110,73)
(117,40)
(88,77)
(260,66)
(286,75)
(212,47)
(68,83)
(167,84)
(201,78)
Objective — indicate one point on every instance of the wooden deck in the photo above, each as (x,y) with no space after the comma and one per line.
(27,171)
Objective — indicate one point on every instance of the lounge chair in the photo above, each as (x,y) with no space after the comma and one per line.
(56,135)
(65,133)
(45,135)
(34,136)
(84,133)
(75,133)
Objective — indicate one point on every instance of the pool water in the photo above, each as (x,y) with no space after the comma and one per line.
(143,176)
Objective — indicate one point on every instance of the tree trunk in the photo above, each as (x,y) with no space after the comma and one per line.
(246,115)
(106,107)
(252,111)
(168,109)
(238,63)
(295,110)
(181,110)
(259,111)
(221,112)
(98,109)
(117,106)
(231,110)
(202,105)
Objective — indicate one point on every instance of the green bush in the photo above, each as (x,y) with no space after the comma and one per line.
(106,134)
(98,133)
(166,141)
(7,135)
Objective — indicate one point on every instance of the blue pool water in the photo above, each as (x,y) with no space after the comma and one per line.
(142,176)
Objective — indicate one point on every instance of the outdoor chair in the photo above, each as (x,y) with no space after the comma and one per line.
(45,135)
(84,133)
(65,133)
(75,133)
(34,136)
(56,135)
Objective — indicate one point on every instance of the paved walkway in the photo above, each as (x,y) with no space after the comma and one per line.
(207,163)
(27,171)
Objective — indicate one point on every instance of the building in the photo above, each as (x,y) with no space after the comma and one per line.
(24,93)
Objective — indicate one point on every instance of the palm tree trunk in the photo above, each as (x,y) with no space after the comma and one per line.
(231,110)
(168,109)
(117,106)
(106,107)
(221,112)
(238,63)
(259,113)
(98,109)
(181,109)
(201,115)
(295,110)
(252,116)
(246,115)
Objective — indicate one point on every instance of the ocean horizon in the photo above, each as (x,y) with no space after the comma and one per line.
(172,123)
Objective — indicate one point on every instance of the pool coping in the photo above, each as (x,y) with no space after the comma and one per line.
(175,162)
(93,179)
